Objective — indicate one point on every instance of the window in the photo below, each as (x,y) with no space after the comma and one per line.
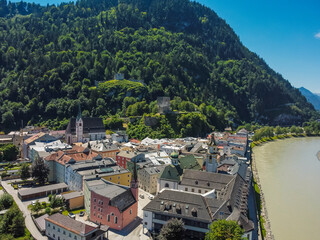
(115,220)
(146,214)
(58,229)
(54,235)
(108,218)
(64,232)
(186,189)
(130,211)
(94,200)
(48,224)
(75,237)
(166,185)
(199,191)
(192,190)
(58,238)
(112,214)
(69,234)
(54,227)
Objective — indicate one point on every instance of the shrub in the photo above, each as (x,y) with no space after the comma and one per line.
(48,210)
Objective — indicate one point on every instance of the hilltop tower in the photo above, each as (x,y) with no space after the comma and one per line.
(79,126)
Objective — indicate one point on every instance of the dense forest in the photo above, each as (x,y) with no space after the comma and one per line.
(54,58)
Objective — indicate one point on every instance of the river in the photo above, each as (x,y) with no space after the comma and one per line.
(289,173)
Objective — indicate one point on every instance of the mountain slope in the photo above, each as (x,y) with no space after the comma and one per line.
(313,98)
(52,57)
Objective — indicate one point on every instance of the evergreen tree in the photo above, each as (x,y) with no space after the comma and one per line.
(40,171)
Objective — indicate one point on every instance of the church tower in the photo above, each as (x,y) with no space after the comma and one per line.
(79,126)
(212,156)
(134,182)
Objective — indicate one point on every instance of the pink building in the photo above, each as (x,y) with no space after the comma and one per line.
(114,205)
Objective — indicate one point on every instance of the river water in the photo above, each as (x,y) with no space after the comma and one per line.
(289,173)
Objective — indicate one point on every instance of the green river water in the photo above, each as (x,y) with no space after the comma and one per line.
(289,173)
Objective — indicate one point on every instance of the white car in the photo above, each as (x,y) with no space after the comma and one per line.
(151,197)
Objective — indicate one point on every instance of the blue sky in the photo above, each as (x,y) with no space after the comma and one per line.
(286,34)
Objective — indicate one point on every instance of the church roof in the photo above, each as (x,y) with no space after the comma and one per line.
(90,125)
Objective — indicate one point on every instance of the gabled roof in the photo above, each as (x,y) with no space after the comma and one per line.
(171,173)
(90,125)
(120,196)
(71,224)
(189,162)
(207,180)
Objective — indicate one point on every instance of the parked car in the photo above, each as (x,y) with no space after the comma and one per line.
(151,197)
(19,186)
(81,214)
(72,215)
(141,196)
(33,203)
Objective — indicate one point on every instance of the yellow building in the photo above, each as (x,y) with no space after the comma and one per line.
(121,176)
(74,200)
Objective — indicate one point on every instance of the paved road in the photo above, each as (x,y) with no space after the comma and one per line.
(253,212)
(29,223)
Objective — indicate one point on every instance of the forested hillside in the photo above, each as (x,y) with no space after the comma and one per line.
(51,59)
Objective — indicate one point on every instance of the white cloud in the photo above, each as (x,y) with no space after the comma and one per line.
(317,35)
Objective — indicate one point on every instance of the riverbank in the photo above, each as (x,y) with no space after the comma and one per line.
(264,222)
(282,170)
(281,137)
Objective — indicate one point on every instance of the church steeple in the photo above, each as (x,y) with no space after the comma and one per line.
(79,116)
(79,126)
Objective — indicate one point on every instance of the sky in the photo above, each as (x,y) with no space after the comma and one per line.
(286,34)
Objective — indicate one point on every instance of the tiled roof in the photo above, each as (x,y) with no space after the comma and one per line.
(205,179)
(189,162)
(71,224)
(172,173)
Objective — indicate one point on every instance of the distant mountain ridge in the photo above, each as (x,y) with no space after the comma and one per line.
(313,98)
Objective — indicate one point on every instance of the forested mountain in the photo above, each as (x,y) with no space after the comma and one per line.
(51,59)
(312,98)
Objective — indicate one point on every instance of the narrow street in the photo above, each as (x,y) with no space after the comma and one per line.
(28,221)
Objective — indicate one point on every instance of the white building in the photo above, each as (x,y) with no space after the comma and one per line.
(61,227)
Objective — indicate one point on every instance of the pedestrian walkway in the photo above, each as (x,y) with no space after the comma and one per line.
(28,221)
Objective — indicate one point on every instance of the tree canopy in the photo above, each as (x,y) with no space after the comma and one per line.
(224,230)
(49,64)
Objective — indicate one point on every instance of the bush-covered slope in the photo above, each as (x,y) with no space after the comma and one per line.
(52,57)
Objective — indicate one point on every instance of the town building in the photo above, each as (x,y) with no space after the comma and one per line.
(43,191)
(124,156)
(171,174)
(212,156)
(111,204)
(61,227)
(198,211)
(148,178)
(73,200)
(58,160)
(85,129)
(119,136)
(39,137)
(75,173)
(104,148)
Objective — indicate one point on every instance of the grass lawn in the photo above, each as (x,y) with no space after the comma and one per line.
(66,212)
